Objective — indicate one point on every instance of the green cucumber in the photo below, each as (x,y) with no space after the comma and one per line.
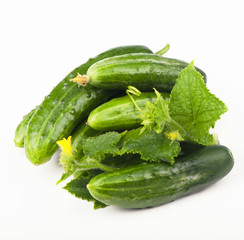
(149,185)
(144,71)
(80,133)
(21,129)
(120,113)
(64,108)
(189,147)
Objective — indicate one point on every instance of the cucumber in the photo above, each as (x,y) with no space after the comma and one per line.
(144,71)
(189,147)
(149,185)
(80,133)
(20,131)
(64,108)
(120,113)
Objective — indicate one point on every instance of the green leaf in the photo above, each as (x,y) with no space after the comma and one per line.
(98,205)
(77,187)
(151,146)
(155,115)
(161,112)
(98,147)
(193,109)
(90,173)
(147,117)
(101,150)
(64,177)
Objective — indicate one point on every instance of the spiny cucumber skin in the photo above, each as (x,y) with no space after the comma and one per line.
(150,185)
(21,129)
(64,108)
(144,71)
(120,113)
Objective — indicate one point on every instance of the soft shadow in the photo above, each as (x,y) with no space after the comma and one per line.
(55,158)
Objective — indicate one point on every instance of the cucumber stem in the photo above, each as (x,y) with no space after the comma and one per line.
(163,50)
(90,163)
(82,80)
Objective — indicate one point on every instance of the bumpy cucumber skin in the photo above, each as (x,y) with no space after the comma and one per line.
(120,113)
(21,129)
(149,185)
(144,71)
(64,108)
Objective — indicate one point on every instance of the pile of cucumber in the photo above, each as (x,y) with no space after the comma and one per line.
(98,104)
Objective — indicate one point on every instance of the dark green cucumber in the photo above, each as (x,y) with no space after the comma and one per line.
(64,108)
(189,147)
(120,113)
(149,185)
(144,71)
(21,129)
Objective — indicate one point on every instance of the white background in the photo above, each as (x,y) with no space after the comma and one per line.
(42,41)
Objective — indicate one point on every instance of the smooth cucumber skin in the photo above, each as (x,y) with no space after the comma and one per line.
(21,129)
(144,71)
(189,147)
(149,185)
(64,108)
(120,113)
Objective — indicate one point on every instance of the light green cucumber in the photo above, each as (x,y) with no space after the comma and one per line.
(120,113)
(21,129)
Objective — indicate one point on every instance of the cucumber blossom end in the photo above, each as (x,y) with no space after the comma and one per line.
(81,80)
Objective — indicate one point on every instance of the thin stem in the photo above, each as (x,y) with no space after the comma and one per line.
(163,50)
(134,91)
(105,168)
(90,163)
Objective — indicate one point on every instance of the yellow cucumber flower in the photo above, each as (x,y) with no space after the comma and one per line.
(65,146)
(175,135)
